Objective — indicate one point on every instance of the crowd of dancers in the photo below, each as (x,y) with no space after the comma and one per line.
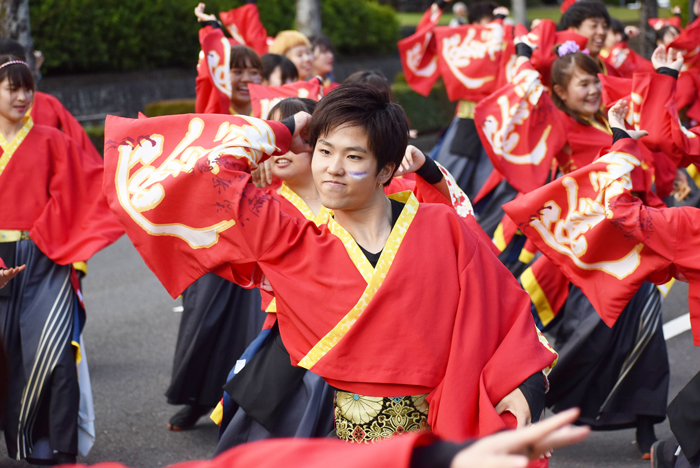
(337,282)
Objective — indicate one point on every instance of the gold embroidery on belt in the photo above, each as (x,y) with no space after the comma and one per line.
(364,419)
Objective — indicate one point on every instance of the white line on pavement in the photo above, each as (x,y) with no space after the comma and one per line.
(676,326)
(180,309)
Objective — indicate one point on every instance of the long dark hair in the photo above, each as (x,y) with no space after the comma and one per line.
(290,106)
(562,72)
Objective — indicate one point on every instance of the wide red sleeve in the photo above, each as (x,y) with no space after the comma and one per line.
(308,453)
(155,166)
(213,83)
(71,127)
(76,222)
(511,349)
(654,110)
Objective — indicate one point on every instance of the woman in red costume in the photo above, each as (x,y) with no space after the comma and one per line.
(58,217)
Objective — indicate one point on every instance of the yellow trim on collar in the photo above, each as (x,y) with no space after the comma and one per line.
(322,218)
(9,148)
(599,126)
(323,215)
(537,296)
(376,275)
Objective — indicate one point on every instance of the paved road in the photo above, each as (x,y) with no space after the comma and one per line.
(130,337)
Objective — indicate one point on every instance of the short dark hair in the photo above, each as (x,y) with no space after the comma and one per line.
(660,33)
(618,27)
(290,106)
(243,57)
(19,75)
(581,11)
(481,10)
(323,42)
(365,106)
(271,61)
(10,47)
(371,77)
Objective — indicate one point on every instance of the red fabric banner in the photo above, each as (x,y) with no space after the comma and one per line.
(418,54)
(215,66)
(470,59)
(605,240)
(521,131)
(264,98)
(245,27)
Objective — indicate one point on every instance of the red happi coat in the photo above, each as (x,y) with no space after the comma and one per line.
(264,98)
(47,110)
(626,61)
(608,242)
(654,110)
(293,205)
(338,316)
(54,192)
(418,54)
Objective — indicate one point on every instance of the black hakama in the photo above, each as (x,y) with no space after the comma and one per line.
(38,311)
(615,375)
(219,320)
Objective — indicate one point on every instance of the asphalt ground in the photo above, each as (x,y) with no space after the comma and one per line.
(129,342)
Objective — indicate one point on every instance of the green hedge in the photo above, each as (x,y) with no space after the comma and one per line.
(427,114)
(118,35)
(175,106)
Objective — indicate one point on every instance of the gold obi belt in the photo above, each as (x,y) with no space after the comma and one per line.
(363,419)
(13,236)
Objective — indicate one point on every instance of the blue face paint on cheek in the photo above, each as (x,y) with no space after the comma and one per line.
(357,175)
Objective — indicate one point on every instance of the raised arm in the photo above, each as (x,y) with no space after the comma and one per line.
(180,185)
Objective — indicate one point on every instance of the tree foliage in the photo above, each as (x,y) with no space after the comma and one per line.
(119,35)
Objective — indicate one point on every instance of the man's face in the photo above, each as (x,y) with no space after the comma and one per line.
(596,30)
(345,170)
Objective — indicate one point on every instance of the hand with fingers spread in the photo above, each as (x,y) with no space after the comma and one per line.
(616,119)
(671,59)
(201,16)
(516,404)
(7,274)
(514,449)
(412,161)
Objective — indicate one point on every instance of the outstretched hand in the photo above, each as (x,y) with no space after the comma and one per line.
(412,161)
(300,139)
(616,119)
(511,449)
(8,274)
(663,58)
(201,16)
